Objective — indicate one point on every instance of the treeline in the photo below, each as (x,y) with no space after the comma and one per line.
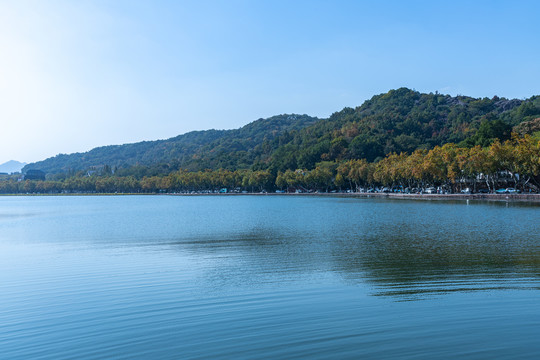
(515,163)
(181,180)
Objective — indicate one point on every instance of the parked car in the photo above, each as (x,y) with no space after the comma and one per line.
(483,191)
(501,191)
(512,191)
(431,190)
(466,191)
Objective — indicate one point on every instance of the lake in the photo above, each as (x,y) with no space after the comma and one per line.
(208,277)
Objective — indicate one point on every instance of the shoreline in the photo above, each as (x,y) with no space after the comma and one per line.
(484,197)
(492,197)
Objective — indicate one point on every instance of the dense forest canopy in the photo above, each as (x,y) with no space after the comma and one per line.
(193,150)
(401,120)
(402,137)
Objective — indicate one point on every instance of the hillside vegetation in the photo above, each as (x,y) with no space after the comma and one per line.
(193,150)
(401,120)
(402,140)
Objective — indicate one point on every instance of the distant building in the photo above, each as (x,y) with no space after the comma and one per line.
(34,175)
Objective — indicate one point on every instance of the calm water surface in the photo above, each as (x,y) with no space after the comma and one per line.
(267,277)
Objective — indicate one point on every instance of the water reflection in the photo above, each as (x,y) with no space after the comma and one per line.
(398,260)
(278,277)
(395,247)
(405,265)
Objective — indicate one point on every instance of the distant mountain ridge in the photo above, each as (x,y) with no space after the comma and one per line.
(11,166)
(400,120)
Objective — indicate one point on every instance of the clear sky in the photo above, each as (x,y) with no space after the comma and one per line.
(79,74)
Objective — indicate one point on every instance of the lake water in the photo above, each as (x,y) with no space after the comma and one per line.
(235,277)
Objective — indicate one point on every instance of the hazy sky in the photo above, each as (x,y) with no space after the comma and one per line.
(79,74)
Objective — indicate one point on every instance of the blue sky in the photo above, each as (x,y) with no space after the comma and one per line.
(80,74)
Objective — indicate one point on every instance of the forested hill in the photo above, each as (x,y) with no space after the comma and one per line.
(401,120)
(404,120)
(179,151)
